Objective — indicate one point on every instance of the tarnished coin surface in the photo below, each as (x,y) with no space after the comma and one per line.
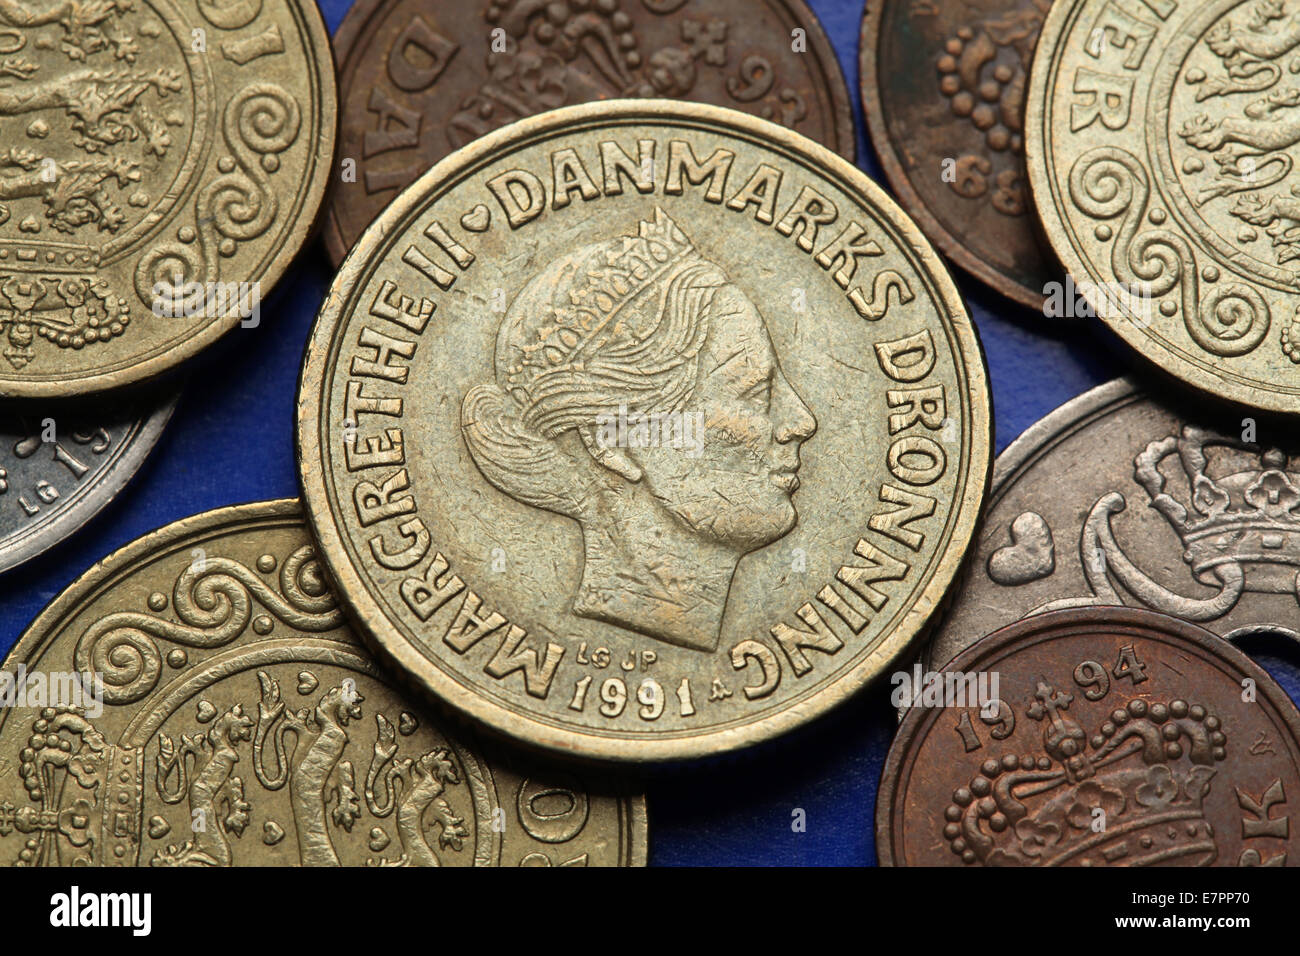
(643,430)
(1157,139)
(1117,498)
(1114,737)
(196,699)
(166,163)
(60,464)
(417,81)
(943,89)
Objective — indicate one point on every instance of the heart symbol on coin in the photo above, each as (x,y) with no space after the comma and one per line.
(158,827)
(477,219)
(272,833)
(378,839)
(1030,556)
(307,682)
(406,724)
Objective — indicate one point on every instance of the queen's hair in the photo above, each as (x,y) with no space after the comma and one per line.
(615,323)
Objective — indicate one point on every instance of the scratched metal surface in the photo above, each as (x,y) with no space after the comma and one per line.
(231,440)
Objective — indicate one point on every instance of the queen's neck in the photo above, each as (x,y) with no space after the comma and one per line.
(646,571)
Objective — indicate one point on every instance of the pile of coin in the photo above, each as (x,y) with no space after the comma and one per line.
(639,425)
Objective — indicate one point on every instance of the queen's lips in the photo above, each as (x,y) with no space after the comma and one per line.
(786,478)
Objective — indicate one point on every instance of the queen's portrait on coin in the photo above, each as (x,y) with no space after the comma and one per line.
(642,328)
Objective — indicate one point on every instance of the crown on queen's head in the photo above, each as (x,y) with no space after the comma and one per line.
(1250,518)
(1148,769)
(601,297)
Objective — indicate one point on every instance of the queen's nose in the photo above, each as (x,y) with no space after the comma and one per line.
(793,420)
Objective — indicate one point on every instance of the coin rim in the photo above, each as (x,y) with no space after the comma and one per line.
(65,384)
(1033,443)
(1024,450)
(883,146)
(1071,621)
(135,450)
(387,639)
(1036,442)
(119,562)
(357,20)
(1163,356)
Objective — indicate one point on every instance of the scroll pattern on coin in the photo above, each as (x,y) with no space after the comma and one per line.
(241,723)
(258,124)
(154,146)
(1228,319)
(214,599)
(1167,128)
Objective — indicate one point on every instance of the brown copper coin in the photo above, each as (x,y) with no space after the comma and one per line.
(418,81)
(1097,737)
(943,89)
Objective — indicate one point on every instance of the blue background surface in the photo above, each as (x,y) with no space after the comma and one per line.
(231,440)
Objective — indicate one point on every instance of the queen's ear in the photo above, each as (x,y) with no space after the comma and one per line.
(610,456)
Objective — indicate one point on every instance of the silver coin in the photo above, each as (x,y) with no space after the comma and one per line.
(60,464)
(1116,498)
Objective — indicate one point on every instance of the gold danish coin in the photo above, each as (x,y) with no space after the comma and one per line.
(197,699)
(166,164)
(1157,137)
(643,430)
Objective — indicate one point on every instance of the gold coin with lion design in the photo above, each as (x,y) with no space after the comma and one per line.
(1160,140)
(166,163)
(643,430)
(197,699)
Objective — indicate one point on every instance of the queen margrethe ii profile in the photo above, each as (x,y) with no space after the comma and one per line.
(644,323)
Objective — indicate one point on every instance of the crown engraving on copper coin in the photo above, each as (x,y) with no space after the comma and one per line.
(1148,768)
